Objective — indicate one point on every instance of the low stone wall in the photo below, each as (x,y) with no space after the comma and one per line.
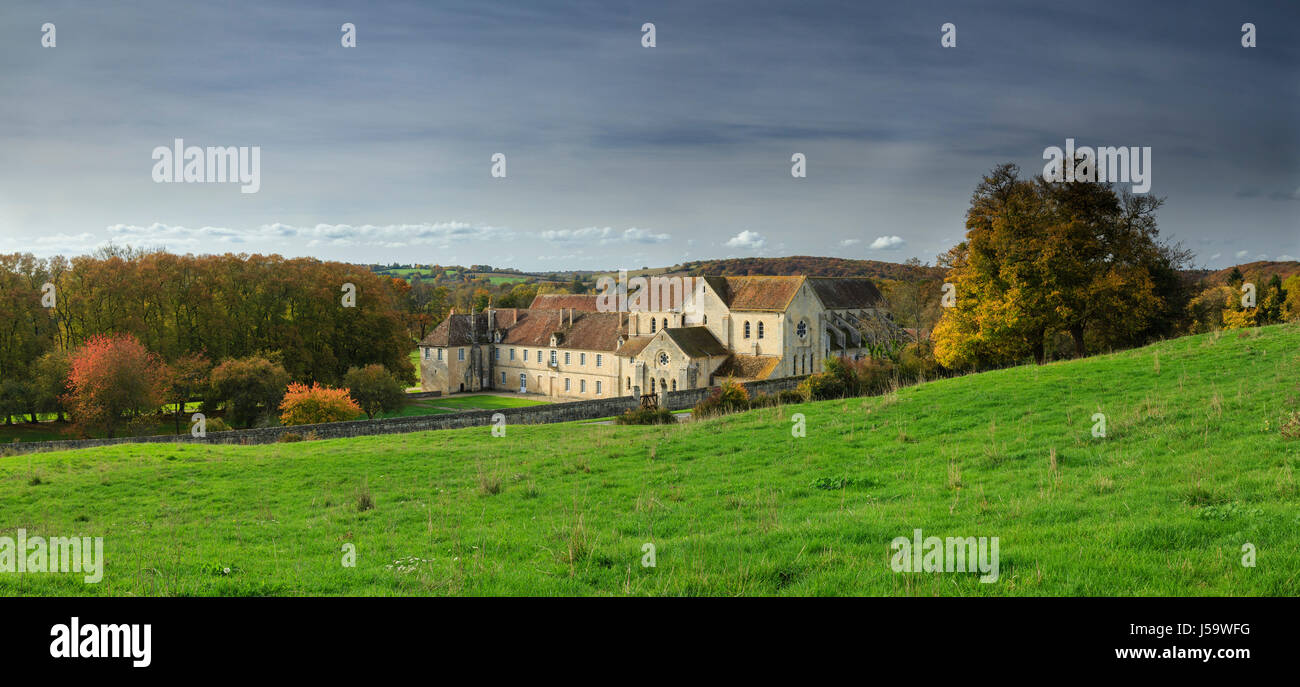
(530,415)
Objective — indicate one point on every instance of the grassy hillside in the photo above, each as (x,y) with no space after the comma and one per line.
(1194,465)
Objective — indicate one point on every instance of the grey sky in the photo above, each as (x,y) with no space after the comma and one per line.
(622,156)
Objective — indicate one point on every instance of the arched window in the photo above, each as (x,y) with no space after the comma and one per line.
(652,385)
(746,329)
(665,323)
(652,325)
(674,385)
(706,319)
(760,330)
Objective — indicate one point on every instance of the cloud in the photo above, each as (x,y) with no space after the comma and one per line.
(603,235)
(747,239)
(1285,258)
(888,243)
(849,242)
(1242,254)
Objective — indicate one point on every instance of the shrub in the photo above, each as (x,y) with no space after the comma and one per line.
(916,363)
(215,424)
(822,386)
(375,389)
(289,438)
(791,396)
(728,397)
(646,416)
(304,405)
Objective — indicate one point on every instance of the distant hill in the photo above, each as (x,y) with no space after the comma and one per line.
(813,267)
(1257,272)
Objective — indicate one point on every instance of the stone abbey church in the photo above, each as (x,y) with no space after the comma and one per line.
(747,328)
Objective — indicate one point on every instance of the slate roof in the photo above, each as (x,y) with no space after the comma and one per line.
(634,345)
(838,293)
(696,342)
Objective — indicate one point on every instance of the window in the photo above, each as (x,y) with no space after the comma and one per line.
(539,355)
(525,355)
(582,385)
(512,354)
(652,385)
(665,323)
(706,319)
(496,353)
(552,357)
(801,330)
(566,357)
(760,330)
(597,360)
(746,329)
(566,384)
(582,358)
(439,354)
(629,383)
(652,325)
(503,376)
(674,385)
(597,387)
(426,354)
(460,354)
(663,359)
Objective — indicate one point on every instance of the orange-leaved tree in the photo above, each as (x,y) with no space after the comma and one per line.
(112,379)
(307,405)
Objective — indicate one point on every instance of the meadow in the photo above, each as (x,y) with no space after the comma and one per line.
(1196,463)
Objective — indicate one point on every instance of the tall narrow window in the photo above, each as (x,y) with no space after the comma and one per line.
(566,357)
(746,329)
(652,325)
(582,385)
(597,387)
(760,330)
(582,358)
(426,354)
(597,360)
(566,384)
(439,354)
(460,354)
(665,323)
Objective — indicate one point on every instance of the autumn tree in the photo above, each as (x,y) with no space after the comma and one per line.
(113,378)
(250,388)
(187,379)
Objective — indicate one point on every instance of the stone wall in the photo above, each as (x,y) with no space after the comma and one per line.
(531,415)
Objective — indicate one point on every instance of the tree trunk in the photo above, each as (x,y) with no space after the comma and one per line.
(1040,347)
(1076,332)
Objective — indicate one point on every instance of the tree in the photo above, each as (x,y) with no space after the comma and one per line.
(309,405)
(50,377)
(1044,258)
(375,389)
(249,388)
(113,378)
(1291,305)
(187,380)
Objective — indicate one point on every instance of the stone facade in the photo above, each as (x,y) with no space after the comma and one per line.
(569,347)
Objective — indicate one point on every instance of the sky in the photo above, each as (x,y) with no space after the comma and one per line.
(619,155)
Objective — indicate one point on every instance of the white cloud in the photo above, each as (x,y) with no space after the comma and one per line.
(888,243)
(1285,258)
(849,242)
(747,239)
(1242,253)
(604,235)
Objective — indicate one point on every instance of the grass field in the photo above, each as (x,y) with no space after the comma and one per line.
(1193,466)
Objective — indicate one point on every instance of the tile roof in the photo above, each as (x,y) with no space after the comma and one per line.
(845,292)
(634,345)
(747,367)
(559,301)
(590,331)
(756,293)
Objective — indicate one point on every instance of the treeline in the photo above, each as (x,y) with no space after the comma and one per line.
(297,312)
(811,266)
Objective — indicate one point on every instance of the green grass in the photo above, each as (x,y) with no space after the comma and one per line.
(1193,467)
(485,401)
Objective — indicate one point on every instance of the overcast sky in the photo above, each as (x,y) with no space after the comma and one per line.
(619,155)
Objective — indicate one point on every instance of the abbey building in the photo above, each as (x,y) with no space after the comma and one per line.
(747,328)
